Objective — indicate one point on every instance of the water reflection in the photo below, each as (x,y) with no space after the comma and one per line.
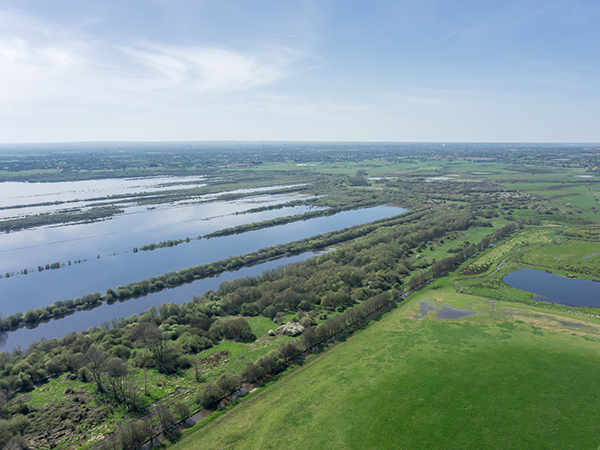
(82,320)
(138,226)
(548,287)
(14,193)
(40,289)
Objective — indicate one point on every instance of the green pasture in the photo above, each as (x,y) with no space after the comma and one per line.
(561,254)
(506,377)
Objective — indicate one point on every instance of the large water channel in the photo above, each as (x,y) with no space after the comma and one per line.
(548,287)
(39,289)
(82,320)
(96,256)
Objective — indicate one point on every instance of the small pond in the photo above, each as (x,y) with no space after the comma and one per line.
(548,287)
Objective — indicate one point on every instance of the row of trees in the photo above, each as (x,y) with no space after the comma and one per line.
(275,361)
(356,278)
(441,266)
(173,279)
(92,214)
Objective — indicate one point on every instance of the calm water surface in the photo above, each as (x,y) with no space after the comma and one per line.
(39,289)
(82,320)
(138,226)
(14,193)
(548,287)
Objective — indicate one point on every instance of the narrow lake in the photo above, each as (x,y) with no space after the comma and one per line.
(548,287)
(13,193)
(137,226)
(35,290)
(82,320)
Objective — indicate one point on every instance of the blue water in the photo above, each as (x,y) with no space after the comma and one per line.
(82,320)
(40,289)
(548,287)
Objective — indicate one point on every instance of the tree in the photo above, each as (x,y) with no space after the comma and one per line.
(164,355)
(309,337)
(134,434)
(182,411)
(166,419)
(119,384)
(197,363)
(208,395)
(94,359)
(289,351)
(229,383)
(252,372)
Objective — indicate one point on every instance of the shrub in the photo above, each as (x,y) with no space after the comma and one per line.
(120,351)
(208,395)
(229,383)
(84,375)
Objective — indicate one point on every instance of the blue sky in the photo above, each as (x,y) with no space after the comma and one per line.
(426,70)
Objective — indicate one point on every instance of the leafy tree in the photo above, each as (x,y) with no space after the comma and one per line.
(229,383)
(289,351)
(252,372)
(95,359)
(208,395)
(309,337)
(182,411)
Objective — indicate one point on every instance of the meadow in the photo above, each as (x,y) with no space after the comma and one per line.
(512,375)
(505,377)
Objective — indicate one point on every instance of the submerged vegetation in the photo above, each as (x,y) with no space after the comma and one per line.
(411,377)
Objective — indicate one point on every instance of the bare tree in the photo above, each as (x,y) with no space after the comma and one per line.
(95,359)
(166,419)
(182,411)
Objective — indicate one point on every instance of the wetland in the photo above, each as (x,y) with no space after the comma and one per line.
(196,254)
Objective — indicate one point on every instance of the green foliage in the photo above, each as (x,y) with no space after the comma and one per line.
(208,395)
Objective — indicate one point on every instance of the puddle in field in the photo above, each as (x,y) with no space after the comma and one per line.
(574,324)
(425,309)
(446,312)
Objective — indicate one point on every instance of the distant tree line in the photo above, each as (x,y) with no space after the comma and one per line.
(76,216)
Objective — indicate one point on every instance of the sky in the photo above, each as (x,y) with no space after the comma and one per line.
(301,70)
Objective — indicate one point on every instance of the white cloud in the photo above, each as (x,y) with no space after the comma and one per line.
(208,70)
(44,65)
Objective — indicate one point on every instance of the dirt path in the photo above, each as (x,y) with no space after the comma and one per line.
(459,286)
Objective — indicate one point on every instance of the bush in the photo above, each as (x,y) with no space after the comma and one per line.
(120,351)
(208,395)
(23,382)
(238,329)
(192,343)
(84,375)
(229,383)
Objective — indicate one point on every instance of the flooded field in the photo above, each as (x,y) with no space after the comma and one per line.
(42,265)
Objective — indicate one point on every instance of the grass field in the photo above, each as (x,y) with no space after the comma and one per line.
(507,377)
